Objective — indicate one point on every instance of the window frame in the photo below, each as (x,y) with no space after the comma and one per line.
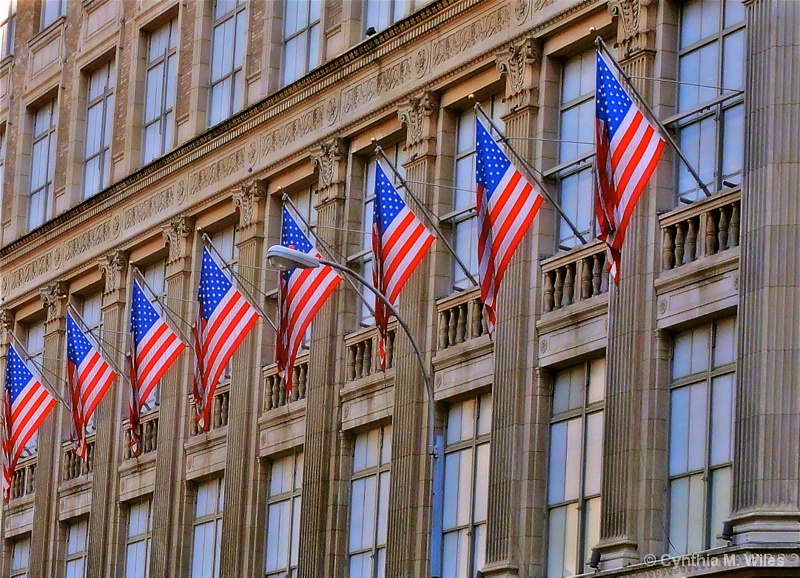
(393,16)
(215,517)
(235,73)
(78,555)
(706,377)
(47,19)
(47,187)
(311,27)
(146,536)
(294,498)
(105,101)
(20,571)
(165,119)
(8,29)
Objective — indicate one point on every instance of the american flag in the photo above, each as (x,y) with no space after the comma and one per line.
(301,294)
(27,404)
(224,318)
(507,205)
(154,347)
(628,149)
(399,242)
(89,376)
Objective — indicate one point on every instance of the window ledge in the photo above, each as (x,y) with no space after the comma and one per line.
(47,34)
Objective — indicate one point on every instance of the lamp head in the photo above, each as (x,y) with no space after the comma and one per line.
(284,258)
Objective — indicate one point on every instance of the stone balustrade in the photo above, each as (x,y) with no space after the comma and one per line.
(362,352)
(148,435)
(461,318)
(22,482)
(73,466)
(219,410)
(574,276)
(275,394)
(704,228)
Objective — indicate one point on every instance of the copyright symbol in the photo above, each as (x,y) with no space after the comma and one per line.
(650,559)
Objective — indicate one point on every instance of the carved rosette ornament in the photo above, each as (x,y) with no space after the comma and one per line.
(520,64)
(176,235)
(329,158)
(633,31)
(249,202)
(420,116)
(112,266)
(54,298)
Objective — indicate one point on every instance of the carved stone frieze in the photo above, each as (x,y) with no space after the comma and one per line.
(112,266)
(330,158)
(420,117)
(520,65)
(54,298)
(177,236)
(248,199)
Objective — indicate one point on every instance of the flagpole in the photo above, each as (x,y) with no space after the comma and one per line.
(138,274)
(324,246)
(253,302)
(107,357)
(45,382)
(531,172)
(652,117)
(429,216)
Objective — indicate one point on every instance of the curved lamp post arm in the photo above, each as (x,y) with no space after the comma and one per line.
(402,323)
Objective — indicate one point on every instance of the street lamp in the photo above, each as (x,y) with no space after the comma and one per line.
(284,258)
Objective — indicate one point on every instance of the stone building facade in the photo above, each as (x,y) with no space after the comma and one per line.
(616,427)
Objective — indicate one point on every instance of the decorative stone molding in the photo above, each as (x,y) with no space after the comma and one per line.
(539,4)
(112,266)
(249,202)
(520,64)
(328,159)
(6,324)
(420,116)
(54,298)
(176,235)
(633,31)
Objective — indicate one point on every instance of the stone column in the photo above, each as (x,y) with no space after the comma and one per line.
(44,534)
(104,510)
(515,352)
(410,498)
(630,367)
(766,504)
(239,529)
(170,472)
(322,530)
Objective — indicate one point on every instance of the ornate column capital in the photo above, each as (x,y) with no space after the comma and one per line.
(54,298)
(330,158)
(6,324)
(248,199)
(177,236)
(420,117)
(634,31)
(520,64)
(113,266)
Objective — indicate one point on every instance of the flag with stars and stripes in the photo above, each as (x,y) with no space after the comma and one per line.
(399,242)
(628,149)
(27,404)
(224,318)
(154,348)
(507,205)
(89,376)
(301,294)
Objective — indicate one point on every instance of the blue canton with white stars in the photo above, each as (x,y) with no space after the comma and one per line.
(17,374)
(143,314)
(214,284)
(389,201)
(293,238)
(612,102)
(491,162)
(78,347)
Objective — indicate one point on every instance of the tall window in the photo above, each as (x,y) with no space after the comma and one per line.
(154,275)
(207,529)
(162,76)
(576,150)
(2,171)
(576,453)
(77,534)
(8,25)
(301,35)
(34,345)
(363,258)
(283,516)
(464,217)
(700,433)
(99,122)
(137,543)
(227,59)
(381,14)
(466,486)
(21,558)
(52,10)
(91,310)
(225,242)
(710,120)
(369,503)
(43,163)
